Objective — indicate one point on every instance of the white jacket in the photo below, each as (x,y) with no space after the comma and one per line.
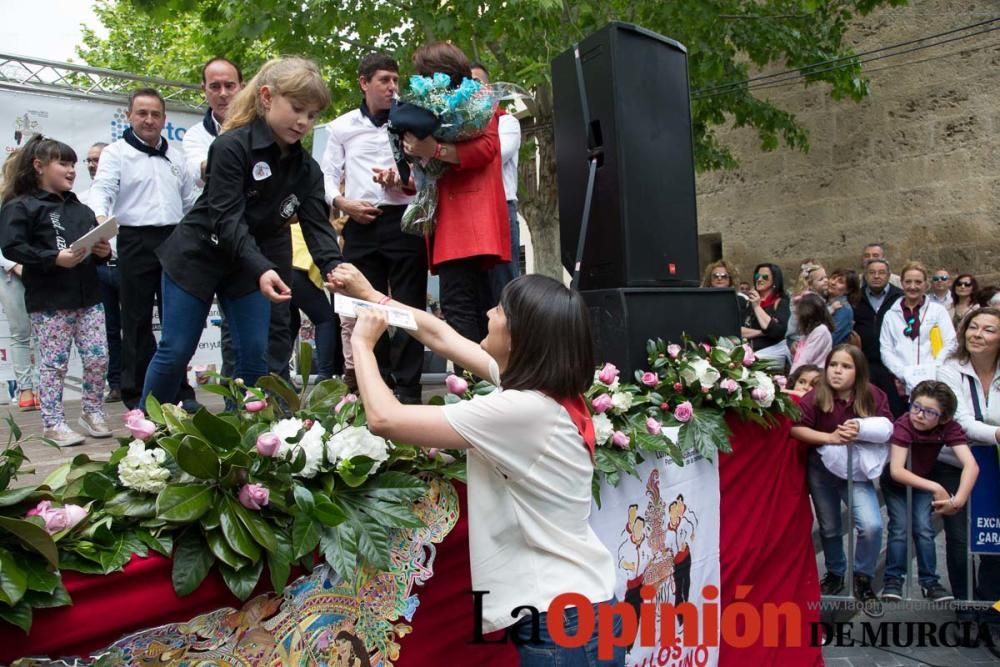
(956,374)
(870,450)
(910,359)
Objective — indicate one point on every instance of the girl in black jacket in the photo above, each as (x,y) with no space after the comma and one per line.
(39,220)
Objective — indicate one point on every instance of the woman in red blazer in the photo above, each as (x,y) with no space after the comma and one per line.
(472,232)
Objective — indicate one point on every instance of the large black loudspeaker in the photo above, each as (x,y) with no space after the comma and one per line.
(643,227)
(622,320)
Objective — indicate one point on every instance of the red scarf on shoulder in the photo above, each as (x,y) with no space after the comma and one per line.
(576,406)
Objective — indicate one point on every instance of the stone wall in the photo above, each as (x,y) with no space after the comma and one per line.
(915,165)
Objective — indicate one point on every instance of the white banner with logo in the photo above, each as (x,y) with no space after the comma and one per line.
(81,123)
(663,531)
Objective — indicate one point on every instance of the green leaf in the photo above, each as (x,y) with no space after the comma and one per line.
(325,395)
(249,442)
(153,410)
(183,503)
(373,544)
(303,499)
(118,553)
(33,536)
(13,579)
(340,548)
(15,496)
(242,582)
(279,563)
(196,457)
(397,487)
(326,511)
(278,386)
(99,486)
(237,535)
(217,389)
(57,597)
(255,524)
(305,366)
(131,504)
(354,471)
(163,544)
(217,431)
(305,537)
(220,548)
(390,514)
(707,433)
(19,615)
(192,561)
(40,578)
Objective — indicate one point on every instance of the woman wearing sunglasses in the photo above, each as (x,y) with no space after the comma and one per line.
(720,274)
(766,321)
(917,335)
(963,296)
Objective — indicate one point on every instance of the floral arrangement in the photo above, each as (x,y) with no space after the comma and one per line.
(283,477)
(689,386)
(464,113)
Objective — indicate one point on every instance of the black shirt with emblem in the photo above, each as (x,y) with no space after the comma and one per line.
(33,229)
(251,192)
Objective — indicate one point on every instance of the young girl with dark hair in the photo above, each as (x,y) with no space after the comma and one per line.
(845,408)
(530,449)
(40,219)
(814,325)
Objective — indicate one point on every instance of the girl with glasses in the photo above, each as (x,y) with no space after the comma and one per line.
(916,334)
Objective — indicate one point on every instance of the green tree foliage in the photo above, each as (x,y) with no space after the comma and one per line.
(727,41)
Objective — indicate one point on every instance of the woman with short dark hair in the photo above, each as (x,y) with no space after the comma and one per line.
(963,297)
(530,448)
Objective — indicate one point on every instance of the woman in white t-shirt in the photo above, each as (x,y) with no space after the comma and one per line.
(530,464)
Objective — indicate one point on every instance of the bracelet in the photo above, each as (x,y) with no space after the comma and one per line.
(384,300)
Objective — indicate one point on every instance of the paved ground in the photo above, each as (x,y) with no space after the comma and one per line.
(904,617)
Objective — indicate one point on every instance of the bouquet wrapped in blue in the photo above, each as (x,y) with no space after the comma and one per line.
(432,106)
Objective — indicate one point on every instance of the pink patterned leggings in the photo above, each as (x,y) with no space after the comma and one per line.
(56,331)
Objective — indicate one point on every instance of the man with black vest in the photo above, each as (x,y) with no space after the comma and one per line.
(142,178)
(359,156)
(876,299)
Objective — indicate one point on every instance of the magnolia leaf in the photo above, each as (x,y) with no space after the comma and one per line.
(255,524)
(163,544)
(305,366)
(33,536)
(279,563)
(216,430)
(220,549)
(192,561)
(305,536)
(119,552)
(249,441)
(153,410)
(170,444)
(57,597)
(325,395)
(15,496)
(183,503)
(278,386)
(127,503)
(327,511)
(242,582)
(40,578)
(13,579)
(196,457)
(19,615)
(237,535)
(99,486)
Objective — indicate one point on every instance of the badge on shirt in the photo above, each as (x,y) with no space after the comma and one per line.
(175,170)
(261,170)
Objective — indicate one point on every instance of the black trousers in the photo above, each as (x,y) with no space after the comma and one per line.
(280,338)
(466,295)
(311,300)
(394,263)
(110,285)
(140,274)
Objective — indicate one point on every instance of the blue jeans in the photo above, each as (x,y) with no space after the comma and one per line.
(828,492)
(923,535)
(184,318)
(21,342)
(501,274)
(547,653)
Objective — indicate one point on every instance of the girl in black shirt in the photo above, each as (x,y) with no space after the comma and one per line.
(39,220)
(235,237)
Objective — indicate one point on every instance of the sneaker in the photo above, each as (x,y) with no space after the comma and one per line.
(832,584)
(28,404)
(114,395)
(892,590)
(95,426)
(866,596)
(937,593)
(63,435)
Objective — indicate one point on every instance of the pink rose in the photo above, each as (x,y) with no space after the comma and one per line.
(348,399)
(664,406)
(678,387)
(601,403)
(673,350)
(254,496)
(781,381)
(653,426)
(608,374)
(255,406)
(748,356)
(729,385)
(650,379)
(268,444)
(140,427)
(758,394)
(684,412)
(134,414)
(41,508)
(59,518)
(456,385)
(620,440)
(707,348)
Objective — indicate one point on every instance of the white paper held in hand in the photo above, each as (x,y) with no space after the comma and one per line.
(105,231)
(347,307)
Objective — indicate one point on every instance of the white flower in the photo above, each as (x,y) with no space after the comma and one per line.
(356,441)
(765,389)
(603,429)
(286,429)
(141,469)
(621,401)
(700,371)
(312,444)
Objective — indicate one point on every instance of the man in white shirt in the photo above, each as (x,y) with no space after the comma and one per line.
(221,79)
(358,154)
(110,284)
(143,179)
(940,292)
(510,143)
